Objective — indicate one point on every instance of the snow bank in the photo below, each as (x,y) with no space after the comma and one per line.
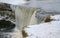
(44,30)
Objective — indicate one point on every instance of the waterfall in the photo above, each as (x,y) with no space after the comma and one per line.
(23,15)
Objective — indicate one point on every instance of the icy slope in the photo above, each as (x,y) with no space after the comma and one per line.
(44,30)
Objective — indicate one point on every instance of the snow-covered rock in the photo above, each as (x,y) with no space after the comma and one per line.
(44,30)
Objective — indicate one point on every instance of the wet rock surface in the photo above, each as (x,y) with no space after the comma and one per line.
(6,25)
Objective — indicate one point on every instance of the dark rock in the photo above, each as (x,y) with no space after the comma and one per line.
(6,25)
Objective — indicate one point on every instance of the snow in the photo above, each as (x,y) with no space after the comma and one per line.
(55,17)
(14,2)
(44,30)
